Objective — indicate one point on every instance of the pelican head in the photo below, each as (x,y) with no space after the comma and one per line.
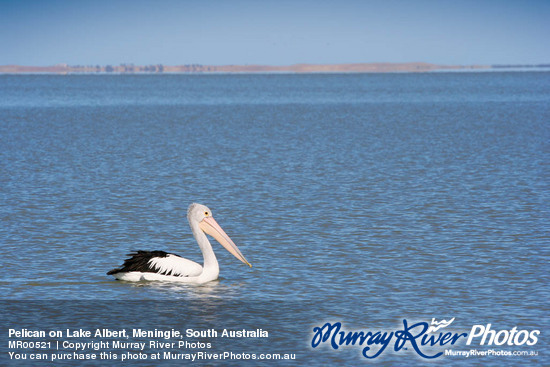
(202,215)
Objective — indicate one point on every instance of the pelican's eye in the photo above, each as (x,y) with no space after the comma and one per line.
(206,213)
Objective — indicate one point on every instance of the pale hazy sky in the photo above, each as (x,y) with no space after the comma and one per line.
(170,32)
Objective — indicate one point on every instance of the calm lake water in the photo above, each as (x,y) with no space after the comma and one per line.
(364,199)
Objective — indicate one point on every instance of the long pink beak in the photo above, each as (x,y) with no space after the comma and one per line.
(211,227)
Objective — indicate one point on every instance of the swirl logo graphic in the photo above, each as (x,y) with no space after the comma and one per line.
(439,325)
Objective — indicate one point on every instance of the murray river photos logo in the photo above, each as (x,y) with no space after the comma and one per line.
(426,339)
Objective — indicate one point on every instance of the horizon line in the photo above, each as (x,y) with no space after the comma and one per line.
(365,67)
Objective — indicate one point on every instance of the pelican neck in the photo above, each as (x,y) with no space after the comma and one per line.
(210,260)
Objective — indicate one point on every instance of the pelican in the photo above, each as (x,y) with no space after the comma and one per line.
(160,265)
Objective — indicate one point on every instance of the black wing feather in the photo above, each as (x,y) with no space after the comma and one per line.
(139,261)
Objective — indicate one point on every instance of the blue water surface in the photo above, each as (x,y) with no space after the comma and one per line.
(360,198)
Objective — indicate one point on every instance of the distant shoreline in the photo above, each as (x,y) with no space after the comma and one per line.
(411,67)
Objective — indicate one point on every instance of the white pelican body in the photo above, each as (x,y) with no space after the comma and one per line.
(160,265)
